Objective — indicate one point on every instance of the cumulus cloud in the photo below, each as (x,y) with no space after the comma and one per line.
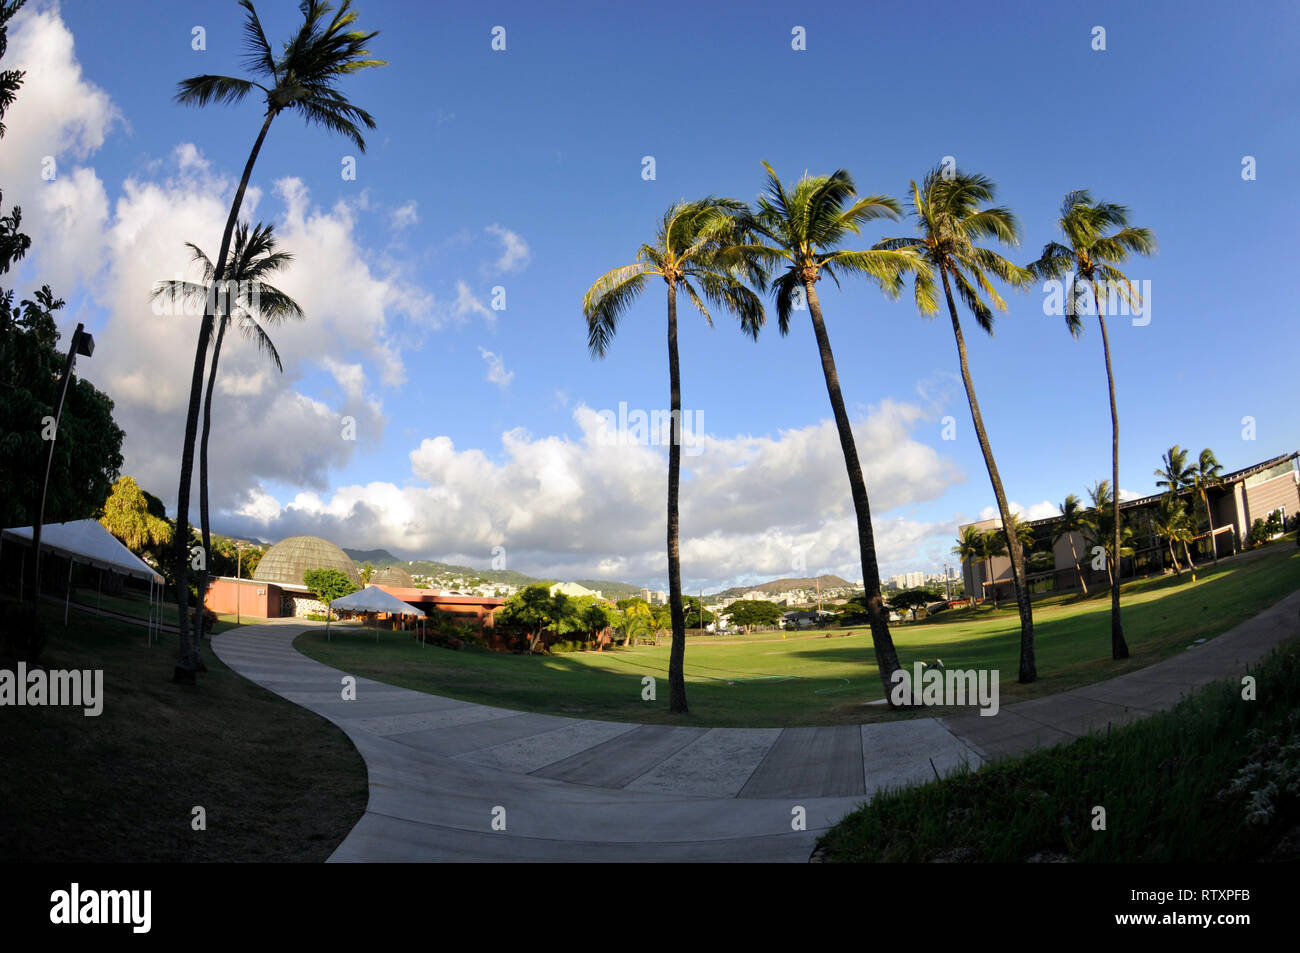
(595,505)
(1037,511)
(515,253)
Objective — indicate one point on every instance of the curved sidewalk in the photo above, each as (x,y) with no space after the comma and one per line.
(445,775)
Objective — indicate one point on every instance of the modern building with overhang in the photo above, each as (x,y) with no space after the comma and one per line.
(1236,501)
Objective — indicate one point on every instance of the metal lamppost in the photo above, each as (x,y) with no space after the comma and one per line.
(83,343)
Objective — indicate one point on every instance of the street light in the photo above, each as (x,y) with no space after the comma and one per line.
(83,343)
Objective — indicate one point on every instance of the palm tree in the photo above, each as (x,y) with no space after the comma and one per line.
(1205,474)
(688,254)
(1097,238)
(302,78)
(248,299)
(1171,525)
(796,232)
(995,544)
(1099,528)
(970,549)
(1174,474)
(950,220)
(1072,521)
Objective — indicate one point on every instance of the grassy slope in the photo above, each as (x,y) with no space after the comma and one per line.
(278,783)
(812,679)
(1164,783)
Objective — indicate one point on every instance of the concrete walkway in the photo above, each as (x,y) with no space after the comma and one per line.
(445,774)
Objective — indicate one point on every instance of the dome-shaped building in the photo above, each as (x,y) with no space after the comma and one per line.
(394,576)
(286,561)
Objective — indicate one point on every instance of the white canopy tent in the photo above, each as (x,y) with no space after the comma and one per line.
(88,542)
(373,599)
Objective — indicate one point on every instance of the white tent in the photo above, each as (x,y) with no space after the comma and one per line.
(86,541)
(373,599)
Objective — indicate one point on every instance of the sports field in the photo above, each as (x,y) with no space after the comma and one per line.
(829,676)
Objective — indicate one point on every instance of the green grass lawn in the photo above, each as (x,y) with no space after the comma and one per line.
(277,782)
(1215,779)
(827,677)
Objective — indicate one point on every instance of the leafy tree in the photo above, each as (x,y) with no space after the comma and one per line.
(911,600)
(88,451)
(1098,238)
(695,615)
(797,232)
(687,255)
(367,573)
(303,79)
(534,609)
(328,584)
(952,214)
(758,612)
(126,515)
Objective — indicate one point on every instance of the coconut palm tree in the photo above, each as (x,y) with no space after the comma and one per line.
(1171,525)
(1099,527)
(1097,238)
(952,214)
(970,549)
(796,232)
(1072,521)
(995,544)
(246,298)
(303,79)
(688,255)
(1207,473)
(1174,473)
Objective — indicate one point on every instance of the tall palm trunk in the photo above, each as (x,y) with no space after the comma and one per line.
(1214,543)
(222,322)
(1028,667)
(1118,647)
(1077,569)
(992,585)
(877,614)
(188,657)
(1178,570)
(677,655)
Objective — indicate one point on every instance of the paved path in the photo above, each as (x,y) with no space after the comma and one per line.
(440,769)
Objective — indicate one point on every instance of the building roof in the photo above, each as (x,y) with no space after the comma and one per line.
(286,561)
(394,576)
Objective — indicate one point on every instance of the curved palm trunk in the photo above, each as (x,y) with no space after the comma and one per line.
(1118,647)
(1028,667)
(1214,543)
(676,655)
(993,586)
(1077,569)
(187,663)
(223,322)
(1178,570)
(877,614)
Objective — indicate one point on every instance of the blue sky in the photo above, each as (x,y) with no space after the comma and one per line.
(542,144)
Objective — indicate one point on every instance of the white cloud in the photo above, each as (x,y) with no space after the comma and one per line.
(497,372)
(586,507)
(1037,511)
(515,253)
(405,216)
(468,304)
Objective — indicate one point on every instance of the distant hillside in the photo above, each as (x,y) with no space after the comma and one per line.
(376,557)
(611,590)
(778,586)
